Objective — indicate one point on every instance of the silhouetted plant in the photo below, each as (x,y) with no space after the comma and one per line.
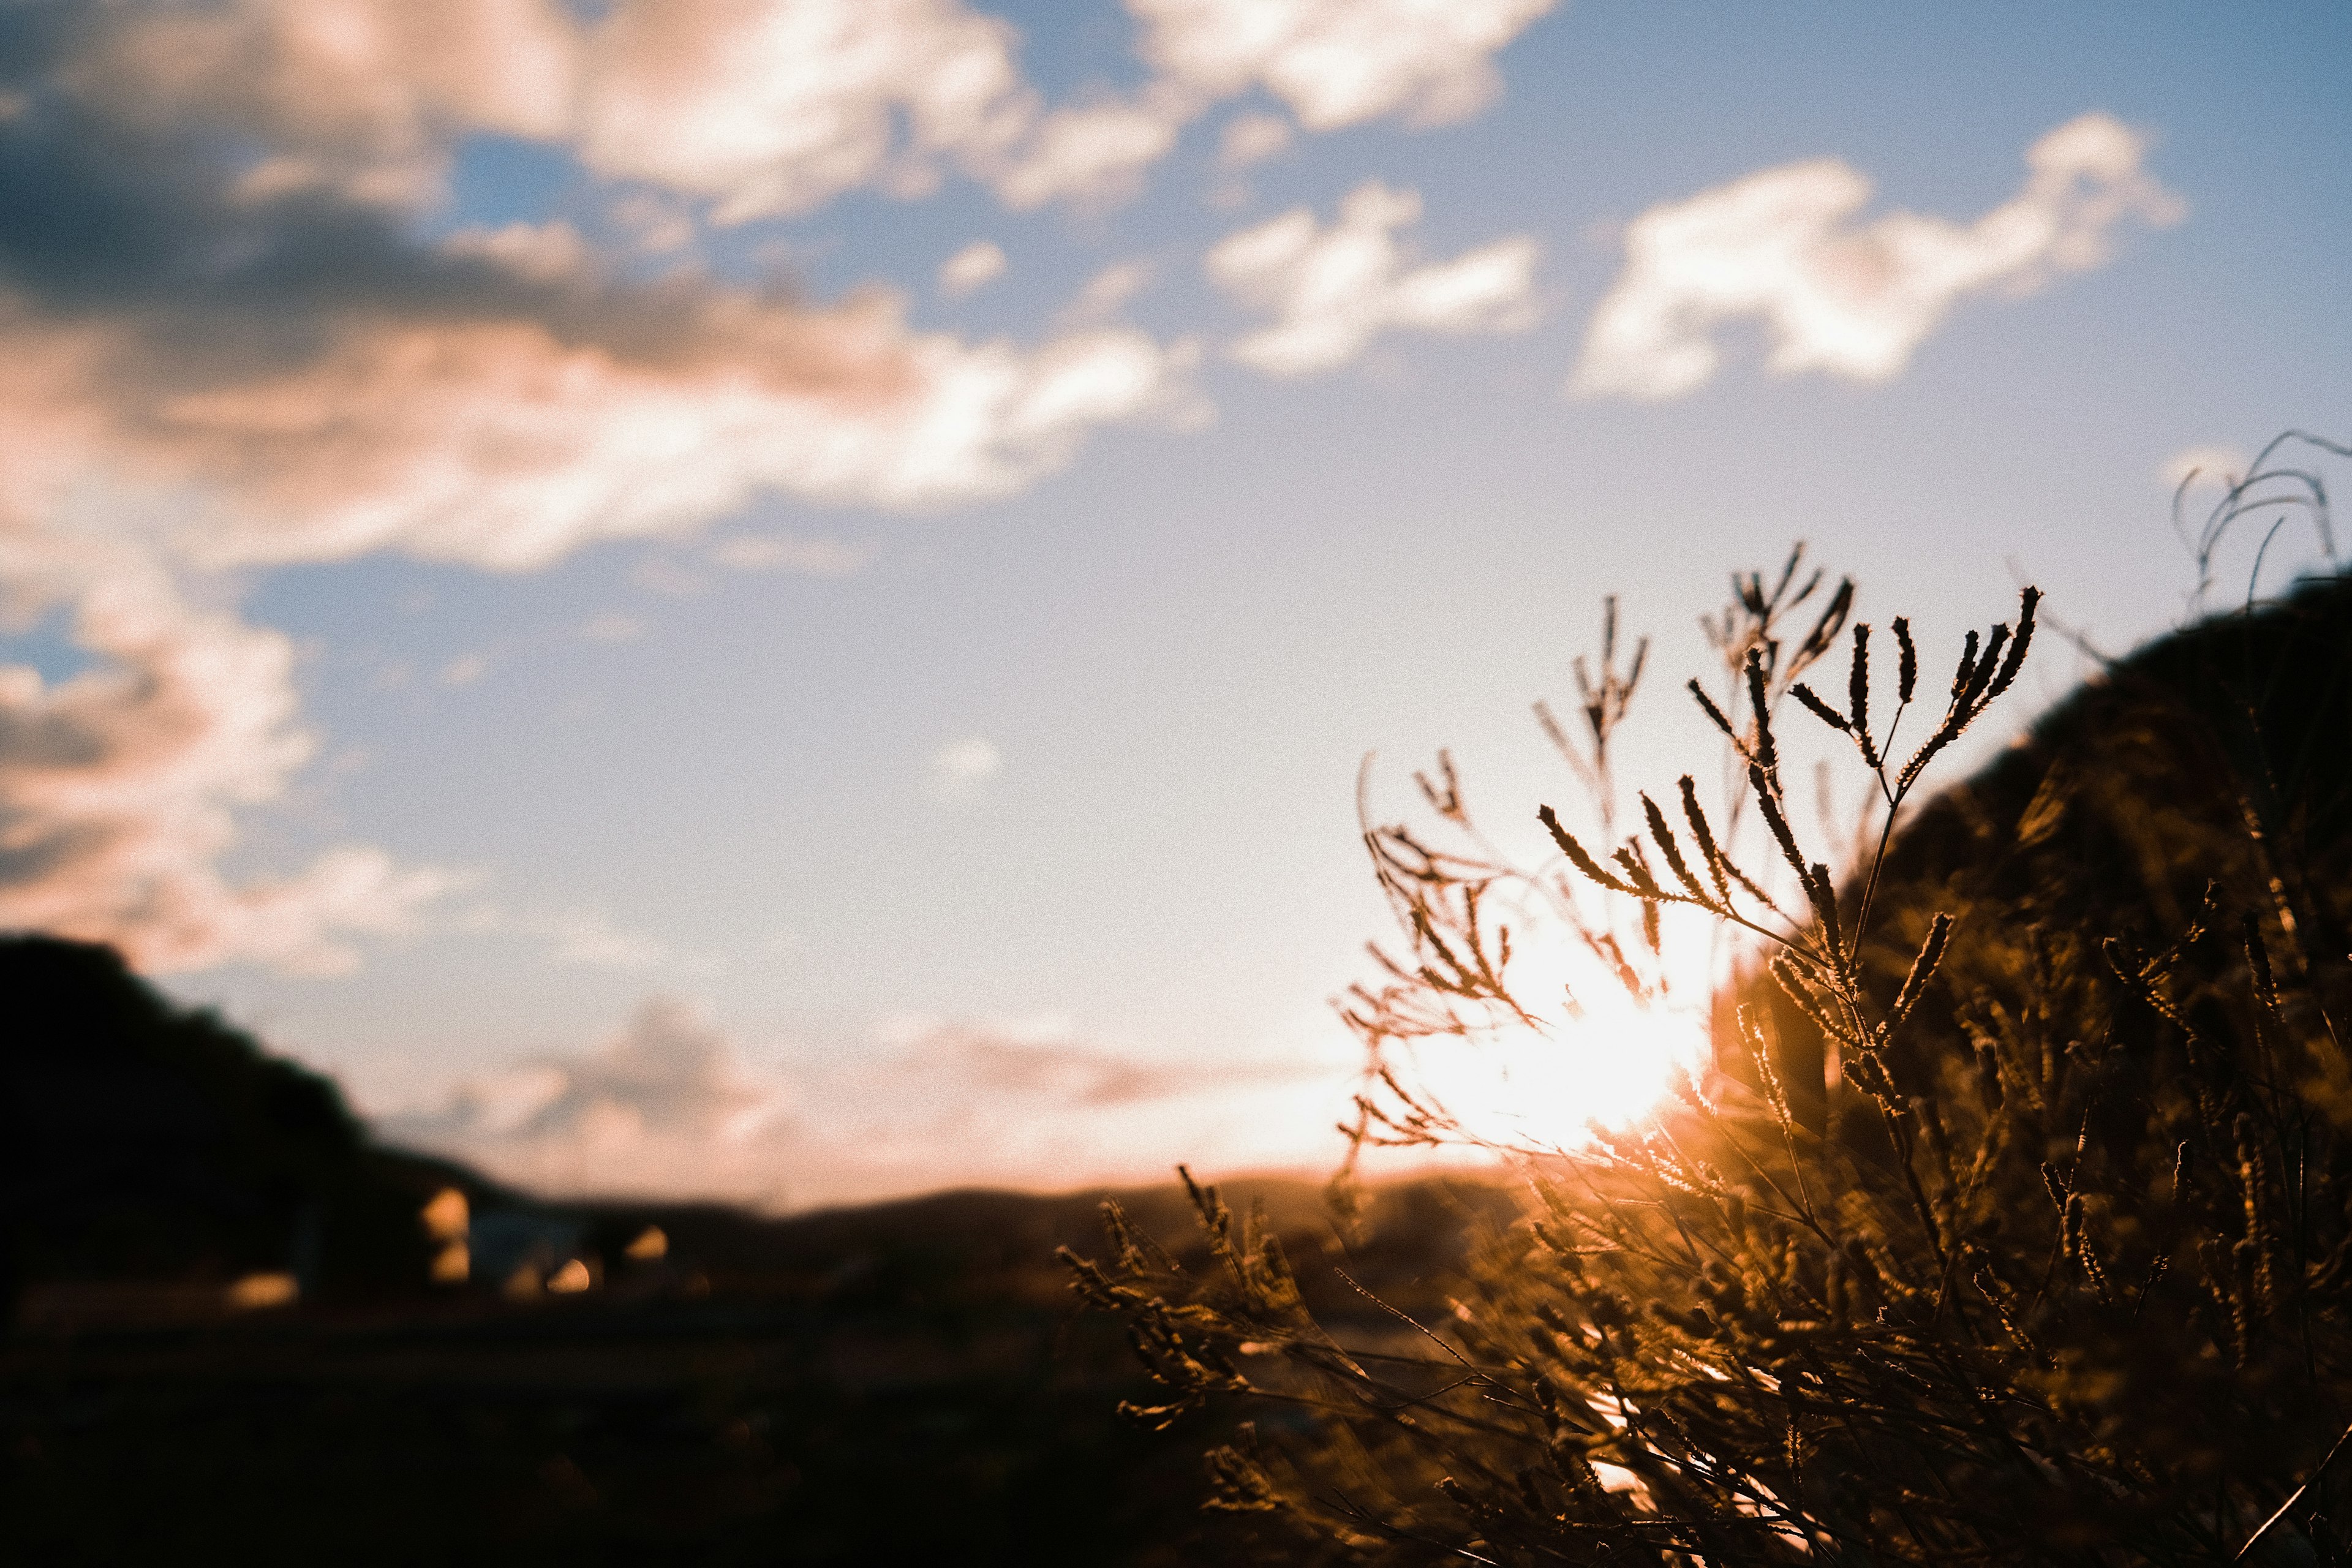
(2008,1223)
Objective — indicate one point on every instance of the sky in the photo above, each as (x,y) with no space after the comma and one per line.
(786,600)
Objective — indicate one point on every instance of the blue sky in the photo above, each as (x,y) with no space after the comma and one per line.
(549,676)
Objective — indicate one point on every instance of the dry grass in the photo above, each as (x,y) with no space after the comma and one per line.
(2010,1224)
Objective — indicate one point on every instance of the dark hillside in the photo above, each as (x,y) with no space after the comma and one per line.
(2119,806)
(141,1140)
(905,1382)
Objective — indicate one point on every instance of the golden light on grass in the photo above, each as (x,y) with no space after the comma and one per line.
(255,1292)
(1539,1085)
(447,1217)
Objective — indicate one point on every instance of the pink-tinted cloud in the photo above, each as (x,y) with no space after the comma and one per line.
(119,784)
(196,375)
(673,1104)
(758,108)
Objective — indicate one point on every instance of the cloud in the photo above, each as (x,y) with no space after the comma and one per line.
(1339,62)
(667,1103)
(1040,1060)
(759,110)
(464,669)
(961,767)
(587,939)
(1106,293)
(226,344)
(118,786)
(1854,299)
(975,267)
(1251,139)
(1332,291)
(363,95)
(312,384)
(751,108)
(1334,62)
(654,224)
(1095,153)
(198,375)
(810,557)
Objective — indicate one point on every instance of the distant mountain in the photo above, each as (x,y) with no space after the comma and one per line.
(143,1140)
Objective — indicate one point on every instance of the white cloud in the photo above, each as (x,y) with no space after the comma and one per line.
(975,267)
(770,109)
(1339,62)
(1106,293)
(2207,465)
(1094,153)
(961,767)
(1781,246)
(464,669)
(812,557)
(1252,138)
(1333,290)
(587,939)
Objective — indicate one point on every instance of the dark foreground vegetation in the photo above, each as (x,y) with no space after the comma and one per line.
(2007,1225)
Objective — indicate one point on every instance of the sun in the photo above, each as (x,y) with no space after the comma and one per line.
(1539,1086)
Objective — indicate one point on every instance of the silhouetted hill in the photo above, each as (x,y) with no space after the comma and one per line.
(143,1140)
(2222,752)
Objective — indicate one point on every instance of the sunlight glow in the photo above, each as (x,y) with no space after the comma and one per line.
(1609,1059)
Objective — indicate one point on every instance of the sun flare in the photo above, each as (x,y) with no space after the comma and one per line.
(1539,1086)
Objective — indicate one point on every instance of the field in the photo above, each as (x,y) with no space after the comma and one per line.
(907,1383)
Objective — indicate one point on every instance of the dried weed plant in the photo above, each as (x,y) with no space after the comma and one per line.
(2008,1223)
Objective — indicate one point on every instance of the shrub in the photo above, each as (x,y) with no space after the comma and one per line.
(2008,1223)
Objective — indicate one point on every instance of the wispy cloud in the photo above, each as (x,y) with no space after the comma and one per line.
(1850,299)
(768,552)
(960,767)
(975,267)
(1106,293)
(1339,62)
(1332,289)
(587,938)
(117,786)
(464,669)
(1249,140)
(671,1102)
(667,1103)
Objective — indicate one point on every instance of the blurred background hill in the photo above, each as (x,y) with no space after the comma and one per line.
(228,1331)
